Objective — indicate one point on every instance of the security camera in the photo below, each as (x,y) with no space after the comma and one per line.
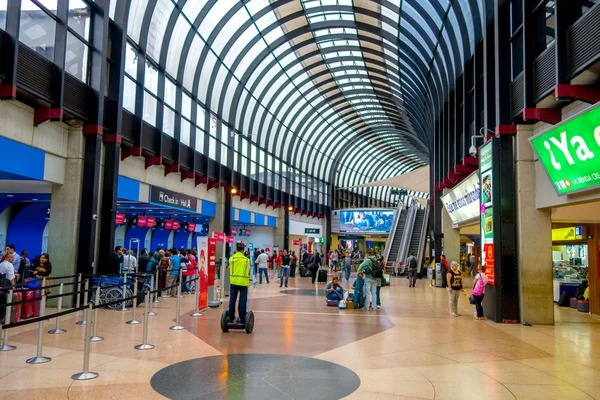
(95,217)
(473,151)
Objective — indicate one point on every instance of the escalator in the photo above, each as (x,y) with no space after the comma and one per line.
(397,236)
(416,236)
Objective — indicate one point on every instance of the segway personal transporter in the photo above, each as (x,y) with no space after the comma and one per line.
(227,324)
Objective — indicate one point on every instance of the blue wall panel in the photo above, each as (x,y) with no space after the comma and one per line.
(160,238)
(245,216)
(128,189)
(136,233)
(181,239)
(25,161)
(27,229)
(259,219)
(272,221)
(209,208)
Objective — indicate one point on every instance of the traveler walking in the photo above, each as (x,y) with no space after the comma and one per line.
(369,267)
(286,260)
(478,293)
(263,263)
(411,263)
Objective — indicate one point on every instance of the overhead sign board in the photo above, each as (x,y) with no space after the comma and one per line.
(172,199)
(462,202)
(568,234)
(312,231)
(570,152)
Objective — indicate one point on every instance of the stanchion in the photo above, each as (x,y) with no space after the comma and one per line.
(134,321)
(156,300)
(78,297)
(7,314)
(39,358)
(58,330)
(144,345)
(178,327)
(151,313)
(95,337)
(123,308)
(86,374)
(197,312)
(85,301)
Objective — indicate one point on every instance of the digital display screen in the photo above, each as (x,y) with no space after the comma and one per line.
(366,221)
(150,222)
(142,221)
(119,219)
(176,225)
(191,227)
(169,224)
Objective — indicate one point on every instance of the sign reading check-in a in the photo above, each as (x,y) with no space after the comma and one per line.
(172,199)
(570,152)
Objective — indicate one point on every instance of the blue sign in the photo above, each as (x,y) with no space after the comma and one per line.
(578,231)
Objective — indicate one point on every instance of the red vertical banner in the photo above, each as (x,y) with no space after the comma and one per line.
(212,260)
(203,272)
(488,249)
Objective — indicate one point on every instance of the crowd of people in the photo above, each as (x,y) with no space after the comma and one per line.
(167,262)
(19,270)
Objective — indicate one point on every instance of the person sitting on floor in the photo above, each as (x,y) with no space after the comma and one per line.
(333,290)
(359,291)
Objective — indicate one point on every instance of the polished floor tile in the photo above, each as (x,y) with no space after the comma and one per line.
(411,349)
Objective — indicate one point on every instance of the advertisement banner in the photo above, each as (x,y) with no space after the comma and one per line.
(487,210)
(219,236)
(462,202)
(568,152)
(203,272)
(229,239)
(212,261)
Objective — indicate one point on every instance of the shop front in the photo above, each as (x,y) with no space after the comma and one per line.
(306,236)
(253,227)
(570,258)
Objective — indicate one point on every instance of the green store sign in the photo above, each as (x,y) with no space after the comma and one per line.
(570,152)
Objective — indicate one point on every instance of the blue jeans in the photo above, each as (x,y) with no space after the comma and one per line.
(378,293)
(335,295)
(285,270)
(347,269)
(243,291)
(260,274)
(370,291)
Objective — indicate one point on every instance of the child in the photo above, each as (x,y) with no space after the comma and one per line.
(359,291)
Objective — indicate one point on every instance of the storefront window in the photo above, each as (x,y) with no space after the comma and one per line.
(37,28)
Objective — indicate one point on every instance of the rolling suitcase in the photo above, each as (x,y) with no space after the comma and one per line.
(322,277)
(303,271)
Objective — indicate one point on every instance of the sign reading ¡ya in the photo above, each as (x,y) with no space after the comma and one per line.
(570,152)
(462,202)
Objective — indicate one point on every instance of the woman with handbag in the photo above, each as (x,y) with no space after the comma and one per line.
(479,283)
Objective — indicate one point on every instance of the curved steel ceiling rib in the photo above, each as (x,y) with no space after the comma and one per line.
(387,111)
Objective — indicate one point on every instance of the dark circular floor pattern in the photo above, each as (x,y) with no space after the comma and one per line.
(304,292)
(255,376)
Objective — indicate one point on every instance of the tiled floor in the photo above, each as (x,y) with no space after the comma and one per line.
(411,349)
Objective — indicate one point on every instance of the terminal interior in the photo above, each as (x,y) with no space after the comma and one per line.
(300,199)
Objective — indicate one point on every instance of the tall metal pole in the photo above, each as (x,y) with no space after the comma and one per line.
(95,337)
(58,330)
(39,358)
(144,345)
(8,310)
(85,301)
(197,312)
(156,288)
(178,327)
(123,308)
(134,321)
(86,374)
(151,313)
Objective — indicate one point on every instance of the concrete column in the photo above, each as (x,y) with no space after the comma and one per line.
(534,238)
(65,212)
(279,233)
(451,238)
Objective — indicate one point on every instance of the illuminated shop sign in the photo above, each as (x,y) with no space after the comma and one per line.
(570,152)
(462,202)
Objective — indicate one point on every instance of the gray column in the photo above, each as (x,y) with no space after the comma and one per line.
(451,238)
(534,238)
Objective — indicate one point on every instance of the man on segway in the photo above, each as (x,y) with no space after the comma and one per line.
(239,278)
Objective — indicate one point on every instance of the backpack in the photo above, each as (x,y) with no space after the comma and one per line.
(376,269)
(412,262)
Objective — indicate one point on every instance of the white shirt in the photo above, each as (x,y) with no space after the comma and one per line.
(262,260)
(7,269)
(129,263)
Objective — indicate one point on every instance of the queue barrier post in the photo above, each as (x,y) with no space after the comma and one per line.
(85,301)
(151,313)
(197,312)
(134,321)
(156,300)
(58,330)
(7,314)
(78,297)
(178,327)
(144,345)
(123,308)
(39,358)
(95,337)
(86,374)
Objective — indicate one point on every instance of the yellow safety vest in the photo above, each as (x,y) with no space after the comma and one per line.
(239,269)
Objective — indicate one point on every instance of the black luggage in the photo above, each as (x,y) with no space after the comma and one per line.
(564,300)
(322,277)
(304,272)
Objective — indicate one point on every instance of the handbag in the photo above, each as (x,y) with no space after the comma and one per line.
(472,299)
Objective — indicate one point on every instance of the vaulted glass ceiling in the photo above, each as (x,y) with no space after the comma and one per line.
(343,91)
